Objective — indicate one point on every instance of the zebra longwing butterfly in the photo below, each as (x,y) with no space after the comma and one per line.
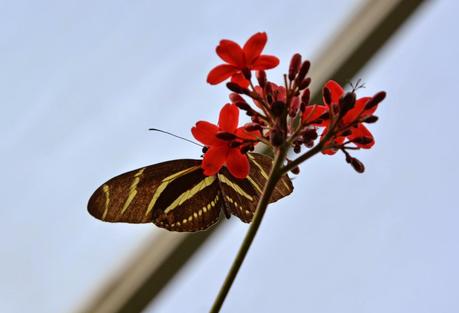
(176,195)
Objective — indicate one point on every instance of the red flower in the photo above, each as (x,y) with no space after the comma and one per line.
(225,152)
(278,92)
(240,59)
(351,124)
(312,114)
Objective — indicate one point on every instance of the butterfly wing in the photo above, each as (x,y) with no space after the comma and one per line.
(241,195)
(165,194)
(176,195)
(191,202)
(261,166)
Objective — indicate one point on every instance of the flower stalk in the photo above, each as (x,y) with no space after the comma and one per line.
(273,179)
(283,118)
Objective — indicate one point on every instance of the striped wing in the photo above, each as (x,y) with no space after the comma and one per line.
(174,195)
(241,195)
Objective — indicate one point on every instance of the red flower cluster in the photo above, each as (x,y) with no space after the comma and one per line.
(278,111)
(350,116)
(240,61)
(225,143)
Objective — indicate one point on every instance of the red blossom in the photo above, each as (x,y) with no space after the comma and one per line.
(350,125)
(224,142)
(242,59)
(278,93)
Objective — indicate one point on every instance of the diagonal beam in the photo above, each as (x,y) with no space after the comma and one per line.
(348,52)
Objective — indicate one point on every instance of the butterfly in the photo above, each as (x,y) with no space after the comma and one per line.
(176,195)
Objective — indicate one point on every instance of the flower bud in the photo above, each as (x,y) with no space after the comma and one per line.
(375,100)
(295,170)
(297,149)
(247,73)
(358,166)
(250,127)
(295,63)
(347,102)
(237,89)
(234,97)
(305,83)
(304,69)
(305,98)
(243,105)
(310,134)
(261,77)
(371,119)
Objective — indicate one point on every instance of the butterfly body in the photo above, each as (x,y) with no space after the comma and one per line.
(176,195)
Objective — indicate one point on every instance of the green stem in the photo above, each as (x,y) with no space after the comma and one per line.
(273,178)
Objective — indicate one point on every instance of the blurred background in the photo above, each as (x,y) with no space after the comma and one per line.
(82,81)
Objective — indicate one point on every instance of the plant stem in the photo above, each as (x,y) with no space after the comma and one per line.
(302,158)
(273,178)
(310,153)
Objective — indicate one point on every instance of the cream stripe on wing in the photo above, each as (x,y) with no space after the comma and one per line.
(254,184)
(262,171)
(285,184)
(132,190)
(190,193)
(106,190)
(235,186)
(166,181)
(265,175)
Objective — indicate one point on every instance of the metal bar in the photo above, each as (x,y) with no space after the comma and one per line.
(349,51)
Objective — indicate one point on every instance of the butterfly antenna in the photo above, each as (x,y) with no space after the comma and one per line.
(176,136)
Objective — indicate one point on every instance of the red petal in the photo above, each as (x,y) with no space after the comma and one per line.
(229,118)
(205,133)
(337,141)
(252,135)
(239,79)
(259,91)
(281,93)
(329,151)
(265,62)
(335,89)
(231,53)
(214,159)
(254,46)
(313,112)
(237,163)
(362,131)
(357,110)
(220,73)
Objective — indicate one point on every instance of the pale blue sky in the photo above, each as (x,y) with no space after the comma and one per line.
(83,80)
